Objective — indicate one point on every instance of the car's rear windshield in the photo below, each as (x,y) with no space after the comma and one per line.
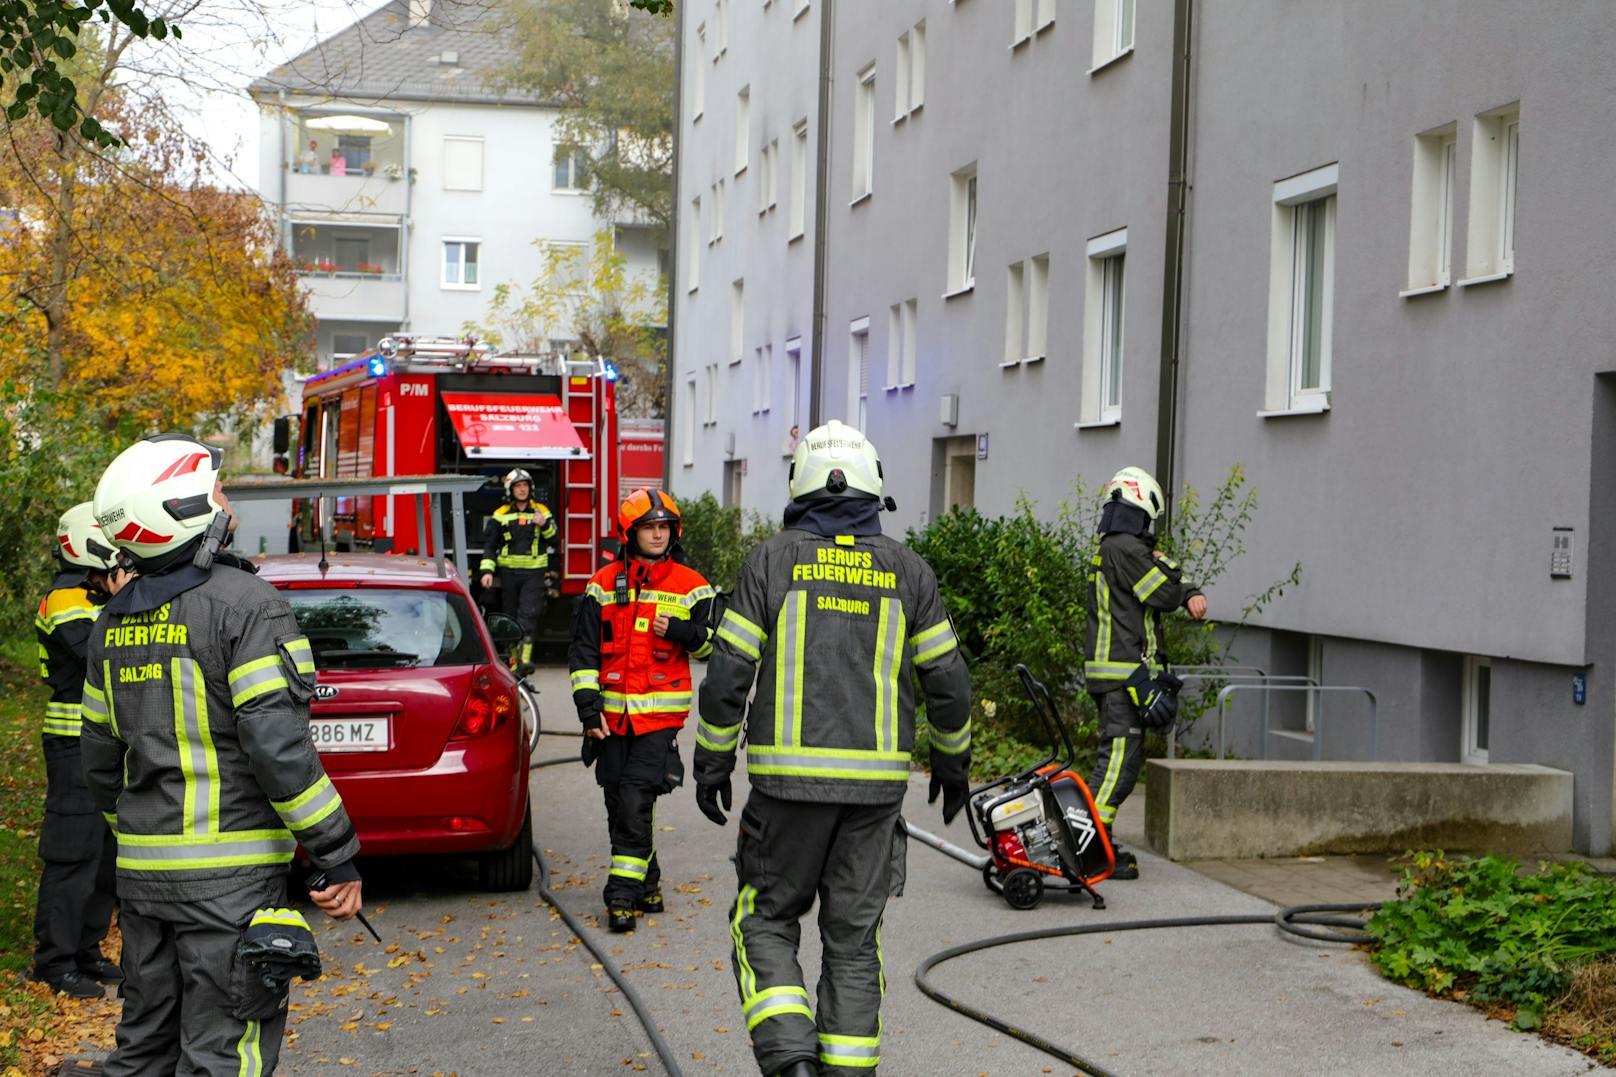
(378,628)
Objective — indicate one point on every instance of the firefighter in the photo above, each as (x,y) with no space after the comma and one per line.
(515,547)
(196,747)
(834,621)
(76,889)
(640,621)
(1133,585)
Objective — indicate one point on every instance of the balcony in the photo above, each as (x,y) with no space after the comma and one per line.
(355,297)
(347,163)
(350,268)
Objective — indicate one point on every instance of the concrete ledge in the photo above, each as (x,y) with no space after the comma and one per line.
(1199,809)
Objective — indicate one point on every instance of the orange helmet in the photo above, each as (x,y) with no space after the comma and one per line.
(647,505)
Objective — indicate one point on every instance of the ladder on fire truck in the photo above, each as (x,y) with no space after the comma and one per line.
(585,509)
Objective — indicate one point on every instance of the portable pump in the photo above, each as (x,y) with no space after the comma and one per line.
(1040,827)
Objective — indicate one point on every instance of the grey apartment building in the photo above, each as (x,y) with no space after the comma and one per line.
(1027,242)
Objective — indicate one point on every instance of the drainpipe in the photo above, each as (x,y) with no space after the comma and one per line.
(816,363)
(674,259)
(404,264)
(280,202)
(1173,261)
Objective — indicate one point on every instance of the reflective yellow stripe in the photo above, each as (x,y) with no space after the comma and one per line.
(1102,604)
(747,637)
(199,764)
(247,1050)
(849,763)
(112,711)
(1113,770)
(934,642)
(647,702)
(888,638)
(310,806)
(952,743)
(195,852)
(792,625)
(775,1002)
(740,643)
(94,706)
(1149,582)
(718,738)
(301,654)
(253,679)
(629,867)
(583,679)
(745,902)
(279,917)
(1108,671)
(599,593)
(854,1052)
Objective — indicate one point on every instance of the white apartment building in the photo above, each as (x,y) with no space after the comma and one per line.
(409,183)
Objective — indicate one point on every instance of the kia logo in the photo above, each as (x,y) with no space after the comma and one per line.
(325,691)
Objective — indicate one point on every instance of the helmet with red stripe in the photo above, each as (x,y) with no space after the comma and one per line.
(157,496)
(80,542)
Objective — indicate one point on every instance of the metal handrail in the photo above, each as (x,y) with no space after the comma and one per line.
(1318,737)
(1203,673)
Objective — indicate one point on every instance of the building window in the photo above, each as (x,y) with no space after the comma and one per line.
(710,418)
(1301,292)
(1476,699)
(1430,238)
(1045,18)
(799,180)
(762,387)
(1494,166)
(802,6)
(900,80)
(1113,31)
(794,370)
(698,76)
(864,134)
(901,345)
(462,163)
(347,345)
(570,169)
(1104,306)
(962,231)
(737,314)
(693,245)
(721,28)
(909,73)
(715,212)
(1015,315)
(460,264)
(858,372)
(768,163)
(743,119)
(690,423)
(1021,22)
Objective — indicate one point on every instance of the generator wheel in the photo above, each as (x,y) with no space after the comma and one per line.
(990,878)
(1023,888)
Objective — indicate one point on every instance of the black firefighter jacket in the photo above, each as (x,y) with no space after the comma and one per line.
(1131,587)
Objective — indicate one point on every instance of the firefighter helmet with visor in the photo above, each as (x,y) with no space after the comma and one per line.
(157,495)
(514,476)
(1135,486)
(648,505)
(80,540)
(835,460)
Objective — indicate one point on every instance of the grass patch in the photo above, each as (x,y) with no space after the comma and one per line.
(36,1028)
(1535,948)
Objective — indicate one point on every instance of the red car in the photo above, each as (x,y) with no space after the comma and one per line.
(423,729)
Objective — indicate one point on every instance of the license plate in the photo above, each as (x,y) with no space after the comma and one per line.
(351,734)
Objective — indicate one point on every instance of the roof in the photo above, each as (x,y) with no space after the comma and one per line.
(457,55)
(361,568)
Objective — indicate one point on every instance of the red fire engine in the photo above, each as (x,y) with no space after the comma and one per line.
(429,405)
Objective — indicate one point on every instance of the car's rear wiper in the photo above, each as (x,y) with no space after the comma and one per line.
(396,658)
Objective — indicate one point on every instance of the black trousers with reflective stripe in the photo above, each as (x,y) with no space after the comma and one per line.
(1122,752)
(631,770)
(522,595)
(191,1006)
(78,885)
(788,852)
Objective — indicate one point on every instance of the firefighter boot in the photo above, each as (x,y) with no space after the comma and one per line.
(620,916)
(650,902)
(1127,866)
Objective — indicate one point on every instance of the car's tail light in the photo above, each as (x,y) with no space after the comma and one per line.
(488,706)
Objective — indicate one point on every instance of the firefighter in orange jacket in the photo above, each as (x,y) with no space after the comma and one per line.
(638,624)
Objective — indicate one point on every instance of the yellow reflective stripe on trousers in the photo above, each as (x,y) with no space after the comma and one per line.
(247,1050)
(888,654)
(718,738)
(310,806)
(584,679)
(252,679)
(854,1052)
(195,852)
(952,743)
(1113,770)
(934,642)
(775,1002)
(198,762)
(745,902)
(747,637)
(854,763)
(1149,582)
(792,628)
(629,867)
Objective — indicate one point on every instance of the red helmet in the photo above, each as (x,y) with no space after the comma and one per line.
(647,506)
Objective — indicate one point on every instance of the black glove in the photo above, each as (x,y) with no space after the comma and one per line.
(708,797)
(956,791)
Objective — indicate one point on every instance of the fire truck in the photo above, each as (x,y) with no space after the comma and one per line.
(433,405)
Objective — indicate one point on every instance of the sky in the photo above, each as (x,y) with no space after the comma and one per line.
(226,44)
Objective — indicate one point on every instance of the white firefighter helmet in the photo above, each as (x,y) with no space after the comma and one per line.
(81,541)
(514,476)
(1135,486)
(837,460)
(158,495)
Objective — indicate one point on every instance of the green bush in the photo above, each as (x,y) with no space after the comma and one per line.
(1017,589)
(717,539)
(1481,929)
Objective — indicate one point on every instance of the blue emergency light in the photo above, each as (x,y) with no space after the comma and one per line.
(610,370)
(378,366)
